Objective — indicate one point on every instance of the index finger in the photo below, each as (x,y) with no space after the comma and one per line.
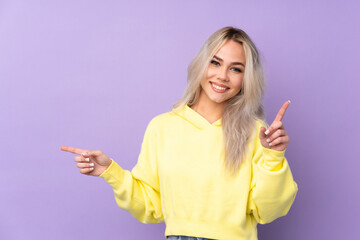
(73,150)
(282,111)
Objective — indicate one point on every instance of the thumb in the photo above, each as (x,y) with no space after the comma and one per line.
(91,154)
(262,134)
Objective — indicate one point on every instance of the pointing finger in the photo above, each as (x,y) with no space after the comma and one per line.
(282,111)
(73,150)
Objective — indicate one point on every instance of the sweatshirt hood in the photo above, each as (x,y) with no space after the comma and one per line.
(190,115)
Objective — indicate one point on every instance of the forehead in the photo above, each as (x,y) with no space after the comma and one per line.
(231,51)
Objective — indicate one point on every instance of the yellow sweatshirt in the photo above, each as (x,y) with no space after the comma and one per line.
(179,179)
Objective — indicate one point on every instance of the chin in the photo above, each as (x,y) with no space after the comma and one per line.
(219,100)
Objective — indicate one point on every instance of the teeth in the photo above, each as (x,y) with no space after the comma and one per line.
(217,87)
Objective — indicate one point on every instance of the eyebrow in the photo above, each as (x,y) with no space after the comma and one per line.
(233,63)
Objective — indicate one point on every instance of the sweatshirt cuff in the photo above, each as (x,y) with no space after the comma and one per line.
(104,172)
(113,171)
(272,159)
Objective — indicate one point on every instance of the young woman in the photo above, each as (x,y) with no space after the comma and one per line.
(211,168)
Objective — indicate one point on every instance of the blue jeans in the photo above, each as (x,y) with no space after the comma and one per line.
(186,238)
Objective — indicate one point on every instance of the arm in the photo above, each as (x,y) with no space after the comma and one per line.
(138,191)
(272,189)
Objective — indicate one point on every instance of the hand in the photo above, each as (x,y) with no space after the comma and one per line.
(91,163)
(276,137)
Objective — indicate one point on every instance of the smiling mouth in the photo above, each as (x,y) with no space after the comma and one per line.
(218,88)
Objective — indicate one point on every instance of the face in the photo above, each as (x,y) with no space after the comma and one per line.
(224,74)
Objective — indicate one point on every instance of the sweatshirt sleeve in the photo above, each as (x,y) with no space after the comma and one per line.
(272,189)
(138,191)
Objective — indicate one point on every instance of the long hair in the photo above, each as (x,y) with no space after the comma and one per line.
(241,111)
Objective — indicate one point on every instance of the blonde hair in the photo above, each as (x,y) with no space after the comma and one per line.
(241,111)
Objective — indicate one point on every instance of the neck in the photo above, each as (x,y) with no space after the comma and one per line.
(210,110)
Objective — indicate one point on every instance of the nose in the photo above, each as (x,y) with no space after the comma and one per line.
(221,74)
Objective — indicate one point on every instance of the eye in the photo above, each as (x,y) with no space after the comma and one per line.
(237,70)
(215,62)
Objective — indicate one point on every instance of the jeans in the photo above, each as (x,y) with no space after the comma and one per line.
(186,238)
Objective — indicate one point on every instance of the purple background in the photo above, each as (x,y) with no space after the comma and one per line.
(92,74)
